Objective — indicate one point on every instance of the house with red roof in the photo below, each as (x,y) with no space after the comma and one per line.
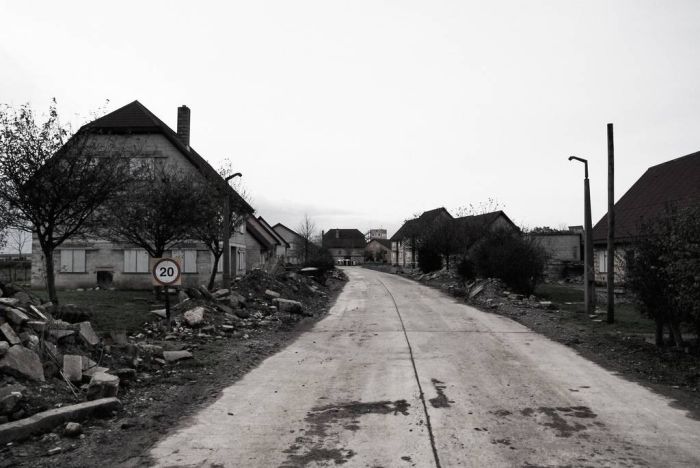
(90,262)
(661,191)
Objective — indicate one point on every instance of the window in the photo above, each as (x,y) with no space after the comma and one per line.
(187,259)
(72,261)
(602,262)
(135,261)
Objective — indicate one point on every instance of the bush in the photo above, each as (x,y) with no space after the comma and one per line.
(429,260)
(508,256)
(466,269)
(321,259)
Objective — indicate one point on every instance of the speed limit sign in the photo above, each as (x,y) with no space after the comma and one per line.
(166,272)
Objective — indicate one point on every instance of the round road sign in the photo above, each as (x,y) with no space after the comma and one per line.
(166,271)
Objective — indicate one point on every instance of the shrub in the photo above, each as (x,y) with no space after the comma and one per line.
(429,260)
(508,256)
(466,269)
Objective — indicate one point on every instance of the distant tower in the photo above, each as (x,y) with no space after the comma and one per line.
(375,234)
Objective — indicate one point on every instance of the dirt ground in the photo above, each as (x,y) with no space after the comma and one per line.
(162,396)
(672,373)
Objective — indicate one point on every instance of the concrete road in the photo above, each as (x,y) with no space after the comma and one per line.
(400,375)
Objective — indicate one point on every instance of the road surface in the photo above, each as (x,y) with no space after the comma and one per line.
(399,374)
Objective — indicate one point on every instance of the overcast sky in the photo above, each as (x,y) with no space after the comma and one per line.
(362,113)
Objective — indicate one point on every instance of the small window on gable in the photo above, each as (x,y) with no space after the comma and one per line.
(72,261)
(602,262)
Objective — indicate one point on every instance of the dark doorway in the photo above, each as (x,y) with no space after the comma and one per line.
(104,279)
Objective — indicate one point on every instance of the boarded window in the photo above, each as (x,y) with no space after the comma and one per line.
(135,261)
(72,261)
(187,259)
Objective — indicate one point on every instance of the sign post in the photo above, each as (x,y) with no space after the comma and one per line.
(166,273)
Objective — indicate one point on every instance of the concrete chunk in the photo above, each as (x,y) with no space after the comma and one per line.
(38,326)
(61,334)
(160,313)
(73,367)
(16,316)
(9,301)
(4,347)
(10,334)
(289,306)
(172,356)
(88,334)
(47,420)
(194,317)
(102,385)
(22,362)
(271,293)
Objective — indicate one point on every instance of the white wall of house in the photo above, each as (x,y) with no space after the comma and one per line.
(78,264)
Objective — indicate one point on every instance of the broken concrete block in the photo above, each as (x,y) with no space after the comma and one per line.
(221,293)
(271,293)
(289,306)
(9,301)
(150,349)
(38,312)
(16,316)
(22,362)
(126,374)
(4,346)
(194,317)
(91,371)
(9,402)
(22,297)
(88,334)
(236,300)
(160,313)
(73,367)
(103,385)
(10,334)
(32,341)
(72,429)
(172,356)
(61,334)
(47,420)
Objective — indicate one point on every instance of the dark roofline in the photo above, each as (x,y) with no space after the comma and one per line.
(201,164)
(269,228)
(254,232)
(290,230)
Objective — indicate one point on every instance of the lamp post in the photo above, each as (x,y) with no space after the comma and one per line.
(227,232)
(588,282)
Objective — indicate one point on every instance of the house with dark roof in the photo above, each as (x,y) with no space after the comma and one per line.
(661,191)
(347,246)
(378,250)
(295,243)
(265,248)
(404,242)
(151,143)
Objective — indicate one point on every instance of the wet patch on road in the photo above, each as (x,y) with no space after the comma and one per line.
(561,419)
(441,400)
(323,425)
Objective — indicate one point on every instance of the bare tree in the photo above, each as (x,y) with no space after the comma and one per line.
(488,206)
(17,239)
(157,212)
(210,230)
(52,182)
(307,231)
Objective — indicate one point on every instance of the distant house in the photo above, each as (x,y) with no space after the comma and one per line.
(89,262)
(661,191)
(264,247)
(295,249)
(347,246)
(404,245)
(378,250)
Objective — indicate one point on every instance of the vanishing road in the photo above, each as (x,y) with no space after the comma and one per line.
(400,375)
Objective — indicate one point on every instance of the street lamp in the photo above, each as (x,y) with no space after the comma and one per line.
(227,232)
(588,281)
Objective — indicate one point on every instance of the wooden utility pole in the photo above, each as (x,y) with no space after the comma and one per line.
(611,226)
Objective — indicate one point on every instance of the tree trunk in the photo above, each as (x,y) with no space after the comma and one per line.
(212,276)
(659,335)
(50,275)
(676,333)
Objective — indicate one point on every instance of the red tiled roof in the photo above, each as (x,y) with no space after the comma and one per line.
(661,190)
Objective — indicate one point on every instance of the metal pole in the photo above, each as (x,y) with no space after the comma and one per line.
(590,282)
(611,226)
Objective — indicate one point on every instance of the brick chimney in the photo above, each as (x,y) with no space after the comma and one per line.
(183,125)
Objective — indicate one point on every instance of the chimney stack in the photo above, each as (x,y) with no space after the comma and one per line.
(183,125)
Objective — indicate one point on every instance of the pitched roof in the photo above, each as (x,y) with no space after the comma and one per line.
(661,190)
(414,227)
(483,220)
(386,243)
(278,226)
(135,118)
(280,239)
(343,239)
(259,232)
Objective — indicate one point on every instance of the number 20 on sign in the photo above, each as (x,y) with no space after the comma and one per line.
(166,272)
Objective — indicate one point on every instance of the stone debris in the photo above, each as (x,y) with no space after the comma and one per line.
(288,306)
(194,317)
(102,385)
(4,346)
(72,429)
(22,362)
(9,334)
(73,367)
(88,334)
(273,294)
(16,316)
(173,356)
